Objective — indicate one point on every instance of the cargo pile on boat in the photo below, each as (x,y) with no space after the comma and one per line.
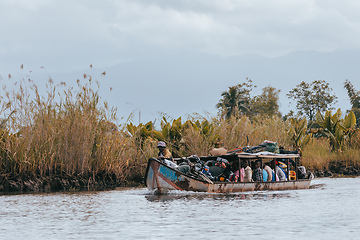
(243,165)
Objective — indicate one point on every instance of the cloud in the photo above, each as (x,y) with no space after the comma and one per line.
(55,33)
(72,34)
(270,28)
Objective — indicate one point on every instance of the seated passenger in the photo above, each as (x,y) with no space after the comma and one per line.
(241,173)
(248,172)
(301,172)
(280,173)
(258,173)
(234,174)
(265,175)
(269,171)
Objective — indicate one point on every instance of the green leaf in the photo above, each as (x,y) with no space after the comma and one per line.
(320,119)
(350,120)
(306,140)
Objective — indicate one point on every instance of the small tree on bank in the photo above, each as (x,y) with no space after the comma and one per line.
(354,97)
(267,103)
(238,102)
(312,97)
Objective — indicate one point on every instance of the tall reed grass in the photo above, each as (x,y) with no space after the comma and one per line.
(70,131)
(317,154)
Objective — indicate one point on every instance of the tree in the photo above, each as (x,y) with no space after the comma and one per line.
(354,100)
(267,103)
(236,101)
(312,98)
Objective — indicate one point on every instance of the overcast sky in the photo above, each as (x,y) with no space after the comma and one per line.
(67,36)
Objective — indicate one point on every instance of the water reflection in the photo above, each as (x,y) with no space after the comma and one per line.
(218,196)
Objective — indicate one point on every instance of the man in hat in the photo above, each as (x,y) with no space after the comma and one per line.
(164,153)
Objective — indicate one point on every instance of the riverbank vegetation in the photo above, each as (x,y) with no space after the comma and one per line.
(69,139)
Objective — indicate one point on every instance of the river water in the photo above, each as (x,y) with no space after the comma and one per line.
(330,209)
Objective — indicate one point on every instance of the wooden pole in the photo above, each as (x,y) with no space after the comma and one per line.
(288,169)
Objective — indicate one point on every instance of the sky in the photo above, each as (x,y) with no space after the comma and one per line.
(177,57)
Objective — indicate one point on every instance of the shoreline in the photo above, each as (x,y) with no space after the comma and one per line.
(47,184)
(337,169)
(79,183)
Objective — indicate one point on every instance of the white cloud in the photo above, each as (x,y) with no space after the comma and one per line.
(30,5)
(70,32)
(229,27)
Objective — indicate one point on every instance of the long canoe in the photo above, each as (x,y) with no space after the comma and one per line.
(162,178)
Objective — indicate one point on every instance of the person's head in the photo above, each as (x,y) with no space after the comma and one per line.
(257,163)
(245,163)
(273,163)
(161,145)
(219,144)
(234,165)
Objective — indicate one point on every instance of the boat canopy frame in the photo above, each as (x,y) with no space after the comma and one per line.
(240,156)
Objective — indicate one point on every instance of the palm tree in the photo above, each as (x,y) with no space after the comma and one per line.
(229,102)
(235,101)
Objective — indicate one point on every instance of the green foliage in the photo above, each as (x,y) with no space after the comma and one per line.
(312,98)
(337,130)
(354,97)
(267,103)
(298,132)
(143,132)
(238,102)
(69,131)
(350,120)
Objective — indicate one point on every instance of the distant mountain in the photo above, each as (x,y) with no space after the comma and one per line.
(182,83)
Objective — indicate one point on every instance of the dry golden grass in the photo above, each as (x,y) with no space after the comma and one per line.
(235,132)
(66,132)
(69,131)
(349,157)
(317,154)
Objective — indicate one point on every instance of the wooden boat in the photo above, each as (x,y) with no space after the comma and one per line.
(162,178)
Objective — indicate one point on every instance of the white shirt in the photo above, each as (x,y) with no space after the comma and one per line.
(280,174)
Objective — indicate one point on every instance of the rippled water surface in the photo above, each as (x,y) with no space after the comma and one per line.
(329,210)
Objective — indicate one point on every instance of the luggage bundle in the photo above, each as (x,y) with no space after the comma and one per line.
(266,146)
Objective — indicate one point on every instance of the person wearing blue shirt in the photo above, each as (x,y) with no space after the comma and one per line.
(265,175)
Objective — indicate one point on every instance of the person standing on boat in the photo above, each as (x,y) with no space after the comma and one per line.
(164,153)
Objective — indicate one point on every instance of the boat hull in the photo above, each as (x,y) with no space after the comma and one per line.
(161,178)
